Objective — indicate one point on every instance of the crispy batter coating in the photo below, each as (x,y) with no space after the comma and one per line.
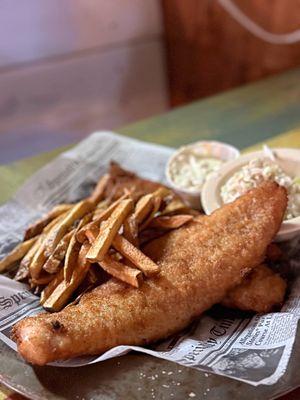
(122,179)
(259,291)
(199,262)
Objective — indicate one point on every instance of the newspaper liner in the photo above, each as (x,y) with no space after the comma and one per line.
(254,349)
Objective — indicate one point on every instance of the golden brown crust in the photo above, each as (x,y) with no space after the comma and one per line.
(122,180)
(199,263)
(260,291)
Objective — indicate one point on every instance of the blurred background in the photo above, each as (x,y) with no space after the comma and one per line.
(69,67)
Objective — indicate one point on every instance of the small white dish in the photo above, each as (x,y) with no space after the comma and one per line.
(214,149)
(289,161)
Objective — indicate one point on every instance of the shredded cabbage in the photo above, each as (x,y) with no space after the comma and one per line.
(256,171)
(190,170)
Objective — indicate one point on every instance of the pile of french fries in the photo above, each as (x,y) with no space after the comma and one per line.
(63,253)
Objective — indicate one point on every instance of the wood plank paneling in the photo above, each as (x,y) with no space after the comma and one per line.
(35,29)
(68,67)
(70,98)
(209,52)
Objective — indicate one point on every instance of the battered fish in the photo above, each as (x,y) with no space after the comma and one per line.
(121,179)
(259,291)
(199,262)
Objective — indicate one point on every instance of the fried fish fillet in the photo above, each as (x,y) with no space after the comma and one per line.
(259,291)
(121,179)
(199,263)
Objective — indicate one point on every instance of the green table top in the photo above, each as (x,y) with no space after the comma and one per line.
(241,117)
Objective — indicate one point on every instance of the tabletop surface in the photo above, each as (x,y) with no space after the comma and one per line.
(242,117)
(267,111)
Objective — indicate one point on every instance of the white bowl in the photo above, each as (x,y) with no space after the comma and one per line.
(288,159)
(214,149)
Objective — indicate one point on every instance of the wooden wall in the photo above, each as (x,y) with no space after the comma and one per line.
(73,66)
(209,52)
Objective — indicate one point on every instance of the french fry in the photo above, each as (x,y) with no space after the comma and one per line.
(81,234)
(54,261)
(60,296)
(49,289)
(16,254)
(42,280)
(176,206)
(90,281)
(83,262)
(172,222)
(98,192)
(143,208)
(156,200)
(64,290)
(76,212)
(51,224)
(156,205)
(94,225)
(22,273)
(123,272)
(91,234)
(108,230)
(37,262)
(103,205)
(162,192)
(37,227)
(59,261)
(73,250)
(146,208)
(136,256)
(23,270)
(130,230)
(40,256)
(86,285)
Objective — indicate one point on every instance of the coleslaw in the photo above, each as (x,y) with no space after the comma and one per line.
(257,171)
(190,170)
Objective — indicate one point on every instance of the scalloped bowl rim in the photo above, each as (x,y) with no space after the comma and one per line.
(193,195)
(211,199)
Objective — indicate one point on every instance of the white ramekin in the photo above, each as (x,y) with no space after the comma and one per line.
(288,159)
(214,149)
